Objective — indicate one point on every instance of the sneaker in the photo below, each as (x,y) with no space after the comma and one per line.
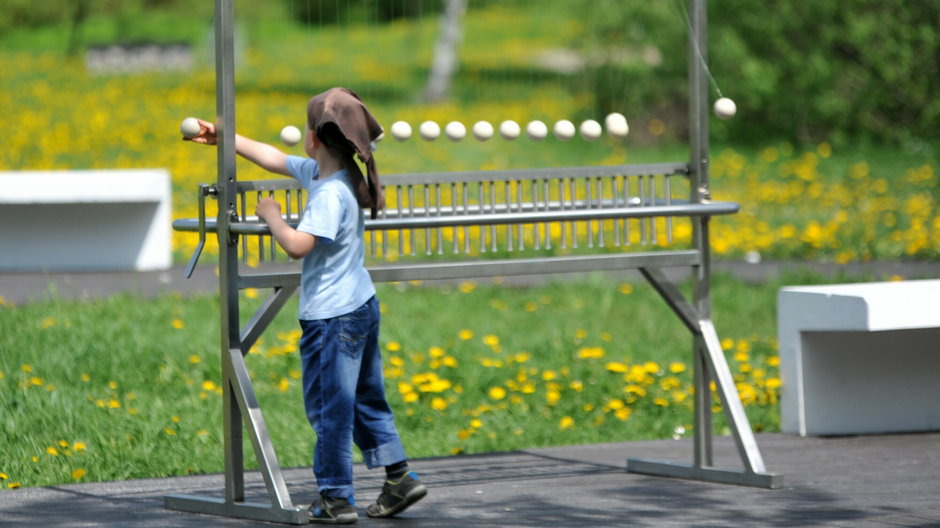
(332,510)
(397,496)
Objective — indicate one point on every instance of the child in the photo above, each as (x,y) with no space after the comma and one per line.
(343,387)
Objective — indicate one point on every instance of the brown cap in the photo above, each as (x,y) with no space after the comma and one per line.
(346,111)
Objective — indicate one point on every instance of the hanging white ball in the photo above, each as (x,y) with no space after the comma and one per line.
(401,130)
(725,108)
(455,131)
(190,127)
(509,129)
(591,130)
(290,135)
(429,130)
(536,130)
(616,125)
(482,130)
(564,130)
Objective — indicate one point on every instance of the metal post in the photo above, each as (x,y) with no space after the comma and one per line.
(240,408)
(698,165)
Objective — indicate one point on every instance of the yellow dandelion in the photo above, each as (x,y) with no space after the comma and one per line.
(208,385)
(411,397)
(616,366)
(476,423)
(467,286)
(78,474)
(194,359)
(623,414)
(566,422)
(530,306)
(177,324)
(52,451)
(552,397)
(465,334)
(283,385)
(676,367)
(491,340)
(251,293)
(497,393)
(393,346)
(591,352)
(78,446)
(169,431)
(626,288)
(438,404)
(47,322)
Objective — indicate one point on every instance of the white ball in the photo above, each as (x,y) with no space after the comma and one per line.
(401,130)
(291,135)
(725,108)
(536,130)
(616,125)
(564,130)
(429,130)
(455,131)
(509,129)
(591,130)
(190,127)
(482,130)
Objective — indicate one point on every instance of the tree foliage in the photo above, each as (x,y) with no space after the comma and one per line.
(834,70)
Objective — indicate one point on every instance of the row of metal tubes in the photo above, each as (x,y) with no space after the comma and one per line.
(542,231)
(536,204)
(513,232)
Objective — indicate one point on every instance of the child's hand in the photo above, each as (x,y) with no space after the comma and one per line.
(267,208)
(206,135)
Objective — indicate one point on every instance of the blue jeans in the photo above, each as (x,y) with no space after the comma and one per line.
(344,395)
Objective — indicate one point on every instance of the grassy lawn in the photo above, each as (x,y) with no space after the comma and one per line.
(127,387)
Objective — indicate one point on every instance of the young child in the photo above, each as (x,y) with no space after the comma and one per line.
(343,387)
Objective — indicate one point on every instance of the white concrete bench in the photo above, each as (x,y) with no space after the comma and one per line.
(98,220)
(860,358)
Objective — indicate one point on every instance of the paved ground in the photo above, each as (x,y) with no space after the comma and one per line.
(20,288)
(860,482)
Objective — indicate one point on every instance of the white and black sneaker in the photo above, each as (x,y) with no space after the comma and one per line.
(397,495)
(333,510)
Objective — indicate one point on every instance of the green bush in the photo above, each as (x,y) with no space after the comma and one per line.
(839,71)
(321,12)
(834,70)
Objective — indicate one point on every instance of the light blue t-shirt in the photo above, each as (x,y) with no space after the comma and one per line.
(334,280)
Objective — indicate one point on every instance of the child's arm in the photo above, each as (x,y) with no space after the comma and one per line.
(266,156)
(296,243)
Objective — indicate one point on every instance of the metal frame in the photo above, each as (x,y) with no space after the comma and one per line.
(240,406)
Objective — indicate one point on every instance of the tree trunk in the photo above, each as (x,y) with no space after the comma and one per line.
(444,63)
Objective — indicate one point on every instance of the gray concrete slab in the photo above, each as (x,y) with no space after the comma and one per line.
(22,288)
(866,481)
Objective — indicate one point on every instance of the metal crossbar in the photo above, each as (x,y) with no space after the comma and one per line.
(457,225)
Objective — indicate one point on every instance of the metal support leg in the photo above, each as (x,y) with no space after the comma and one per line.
(710,364)
(240,400)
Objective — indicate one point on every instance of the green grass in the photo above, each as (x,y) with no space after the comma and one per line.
(127,387)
